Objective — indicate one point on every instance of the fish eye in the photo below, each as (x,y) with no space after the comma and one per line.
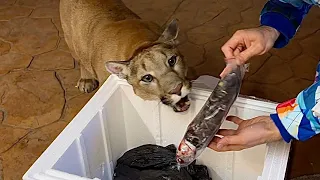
(147,78)
(180,160)
(172,61)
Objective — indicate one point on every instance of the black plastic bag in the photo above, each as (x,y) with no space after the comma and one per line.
(152,162)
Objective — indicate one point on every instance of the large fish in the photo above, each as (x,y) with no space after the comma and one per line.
(209,119)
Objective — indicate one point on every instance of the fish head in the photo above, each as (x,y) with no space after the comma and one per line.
(186,153)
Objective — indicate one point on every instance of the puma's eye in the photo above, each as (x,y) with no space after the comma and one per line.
(172,61)
(147,78)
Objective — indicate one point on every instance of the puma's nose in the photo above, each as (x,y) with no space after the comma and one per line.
(177,89)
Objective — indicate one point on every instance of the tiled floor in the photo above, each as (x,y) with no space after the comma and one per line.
(38,74)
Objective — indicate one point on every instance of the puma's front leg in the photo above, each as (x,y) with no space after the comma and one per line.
(87,83)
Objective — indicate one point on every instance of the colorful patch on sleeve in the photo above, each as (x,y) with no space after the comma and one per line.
(296,115)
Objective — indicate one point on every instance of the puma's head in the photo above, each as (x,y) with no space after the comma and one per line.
(158,72)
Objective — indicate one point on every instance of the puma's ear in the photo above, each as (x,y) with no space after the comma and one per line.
(120,68)
(171,32)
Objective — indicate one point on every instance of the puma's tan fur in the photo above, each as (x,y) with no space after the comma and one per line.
(104,36)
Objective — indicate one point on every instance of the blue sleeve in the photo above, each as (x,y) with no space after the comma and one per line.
(295,118)
(285,16)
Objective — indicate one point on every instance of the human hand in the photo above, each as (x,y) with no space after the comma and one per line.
(253,132)
(247,43)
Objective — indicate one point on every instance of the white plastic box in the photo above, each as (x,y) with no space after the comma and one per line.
(116,120)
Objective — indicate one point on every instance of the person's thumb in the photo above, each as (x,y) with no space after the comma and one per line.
(226,71)
(230,65)
(228,140)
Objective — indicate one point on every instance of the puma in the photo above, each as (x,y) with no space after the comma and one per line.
(105,37)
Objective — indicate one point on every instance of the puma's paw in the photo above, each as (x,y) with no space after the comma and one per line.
(87,85)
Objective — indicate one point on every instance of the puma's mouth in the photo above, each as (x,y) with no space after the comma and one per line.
(179,101)
(182,105)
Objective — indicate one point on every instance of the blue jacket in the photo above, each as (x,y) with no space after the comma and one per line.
(294,118)
(285,16)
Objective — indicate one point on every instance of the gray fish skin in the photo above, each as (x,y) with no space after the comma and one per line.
(206,124)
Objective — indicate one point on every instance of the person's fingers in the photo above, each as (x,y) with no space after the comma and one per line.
(229,140)
(248,53)
(213,146)
(238,50)
(231,63)
(227,51)
(226,71)
(229,47)
(216,139)
(234,119)
(226,132)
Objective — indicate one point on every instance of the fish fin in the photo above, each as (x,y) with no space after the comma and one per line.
(246,67)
